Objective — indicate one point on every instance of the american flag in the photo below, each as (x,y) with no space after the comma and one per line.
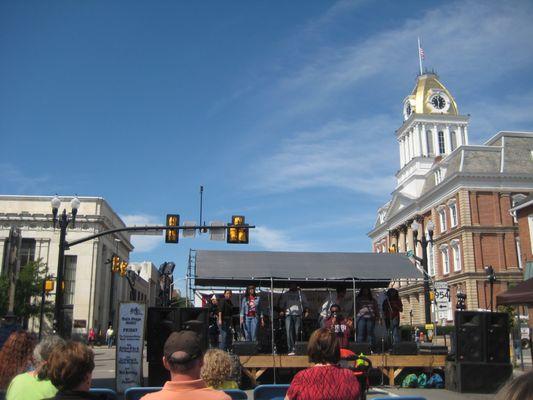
(421,51)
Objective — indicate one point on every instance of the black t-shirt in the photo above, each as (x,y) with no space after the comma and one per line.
(226,308)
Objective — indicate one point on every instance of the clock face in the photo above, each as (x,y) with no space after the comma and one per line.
(438,102)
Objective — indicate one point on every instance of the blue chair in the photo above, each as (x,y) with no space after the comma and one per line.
(236,394)
(270,392)
(104,394)
(135,393)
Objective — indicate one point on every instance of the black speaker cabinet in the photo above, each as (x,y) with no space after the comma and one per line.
(157,374)
(404,349)
(481,337)
(301,348)
(360,348)
(476,377)
(429,348)
(195,319)
(245,348)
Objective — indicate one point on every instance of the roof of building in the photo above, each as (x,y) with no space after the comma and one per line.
(428,85)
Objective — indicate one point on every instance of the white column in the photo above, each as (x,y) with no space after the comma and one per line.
(447,140)
(422,134)
(416,135)
(459,135)
(465,140)
(411,145)
(436,140)
(401,153)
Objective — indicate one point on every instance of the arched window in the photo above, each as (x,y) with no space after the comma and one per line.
(456,256)
(442,148)
(445,260)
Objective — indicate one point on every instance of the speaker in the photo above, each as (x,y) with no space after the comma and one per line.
(157,374)
(470,336)
(195,319)
(245,348)
(497,329)
(428,348)
(404,349)
(476,377)
(360,348)
(301,348)
(162,321)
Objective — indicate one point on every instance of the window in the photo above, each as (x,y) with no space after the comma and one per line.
(442,148)
(456,256)
(519,253)
(445,260)
(442,220)
(27,251)
(438,176)
(453,214)
(69,279)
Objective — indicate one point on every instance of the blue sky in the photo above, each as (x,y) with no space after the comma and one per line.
(284,111)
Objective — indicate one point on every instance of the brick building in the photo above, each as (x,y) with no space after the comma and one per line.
(465,190)
(523,213)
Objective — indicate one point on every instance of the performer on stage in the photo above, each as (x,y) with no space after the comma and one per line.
(225,314)
(251,313)
(213,318)
(345,304)
(293,305)
(392,307)
(340,326)
(367,313)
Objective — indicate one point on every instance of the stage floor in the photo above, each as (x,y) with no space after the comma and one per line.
(390,365)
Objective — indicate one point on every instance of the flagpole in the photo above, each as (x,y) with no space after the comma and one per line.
(419,56)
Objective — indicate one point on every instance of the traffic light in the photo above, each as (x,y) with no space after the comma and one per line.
(115,264)
(123,268)
(237,235)
(49,285)
(172,235)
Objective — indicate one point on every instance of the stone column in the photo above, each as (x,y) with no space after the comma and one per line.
(459,135)
(447,140)
(436,147)
(401,241)
(416,135)
(465,131)
(422,134)
(402,160)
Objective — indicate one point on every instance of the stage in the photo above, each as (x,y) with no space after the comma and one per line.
(390,365)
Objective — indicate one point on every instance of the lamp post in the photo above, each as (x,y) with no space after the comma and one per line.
(491,277)
(64,221)
(424,242)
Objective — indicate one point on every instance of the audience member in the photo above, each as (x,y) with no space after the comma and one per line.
(326,380)
(216,370)
(70,368)
(15,356)
(34,385)
(519,388)
(183,357)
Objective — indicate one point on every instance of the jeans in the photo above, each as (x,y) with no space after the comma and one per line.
(225,336)
(109,342)
(365,330)
(395,327)
(293,323)
(250,328)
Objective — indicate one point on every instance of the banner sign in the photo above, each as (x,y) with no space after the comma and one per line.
(130,343)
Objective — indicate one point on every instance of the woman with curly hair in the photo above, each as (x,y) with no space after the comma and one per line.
(15,356)
(216,370)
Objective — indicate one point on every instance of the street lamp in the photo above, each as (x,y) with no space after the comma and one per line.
(491,277)
(424,242)
(63,222)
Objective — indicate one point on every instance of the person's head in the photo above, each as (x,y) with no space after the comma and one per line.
(214,299)
(216,368)
(392,294)
(519,388)
(324,347)
(293,287)
(183,354)
(42,352)
(334,309)
(227,294)
(70,366)
(250,291)
(15,356)
(365,293)
(341,292)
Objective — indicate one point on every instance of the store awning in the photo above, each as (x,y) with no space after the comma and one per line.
(521,294)
(238,268)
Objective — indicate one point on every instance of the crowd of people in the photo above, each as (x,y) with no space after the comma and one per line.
(57,369)
(337,313)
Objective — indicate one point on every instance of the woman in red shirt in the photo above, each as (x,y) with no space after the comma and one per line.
(325,380)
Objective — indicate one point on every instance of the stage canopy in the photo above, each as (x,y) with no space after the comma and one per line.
(240,268)
(521,294)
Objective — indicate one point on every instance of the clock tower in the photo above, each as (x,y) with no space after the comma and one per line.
(431,131)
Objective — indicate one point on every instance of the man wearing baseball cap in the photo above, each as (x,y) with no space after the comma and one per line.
(183,357)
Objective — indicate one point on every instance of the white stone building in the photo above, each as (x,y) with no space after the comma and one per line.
(147,283)
(92,291)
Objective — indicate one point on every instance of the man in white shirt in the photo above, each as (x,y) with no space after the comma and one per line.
(344,302)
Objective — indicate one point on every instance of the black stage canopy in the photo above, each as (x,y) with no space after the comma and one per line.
(240,268)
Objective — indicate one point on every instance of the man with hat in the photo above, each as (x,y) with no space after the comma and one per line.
(183,357)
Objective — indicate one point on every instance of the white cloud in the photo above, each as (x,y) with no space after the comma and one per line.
(14,181)
(349,155)
(143,243)
(276,240)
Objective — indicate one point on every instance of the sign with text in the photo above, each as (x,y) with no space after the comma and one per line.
(130,341)
(442,299)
